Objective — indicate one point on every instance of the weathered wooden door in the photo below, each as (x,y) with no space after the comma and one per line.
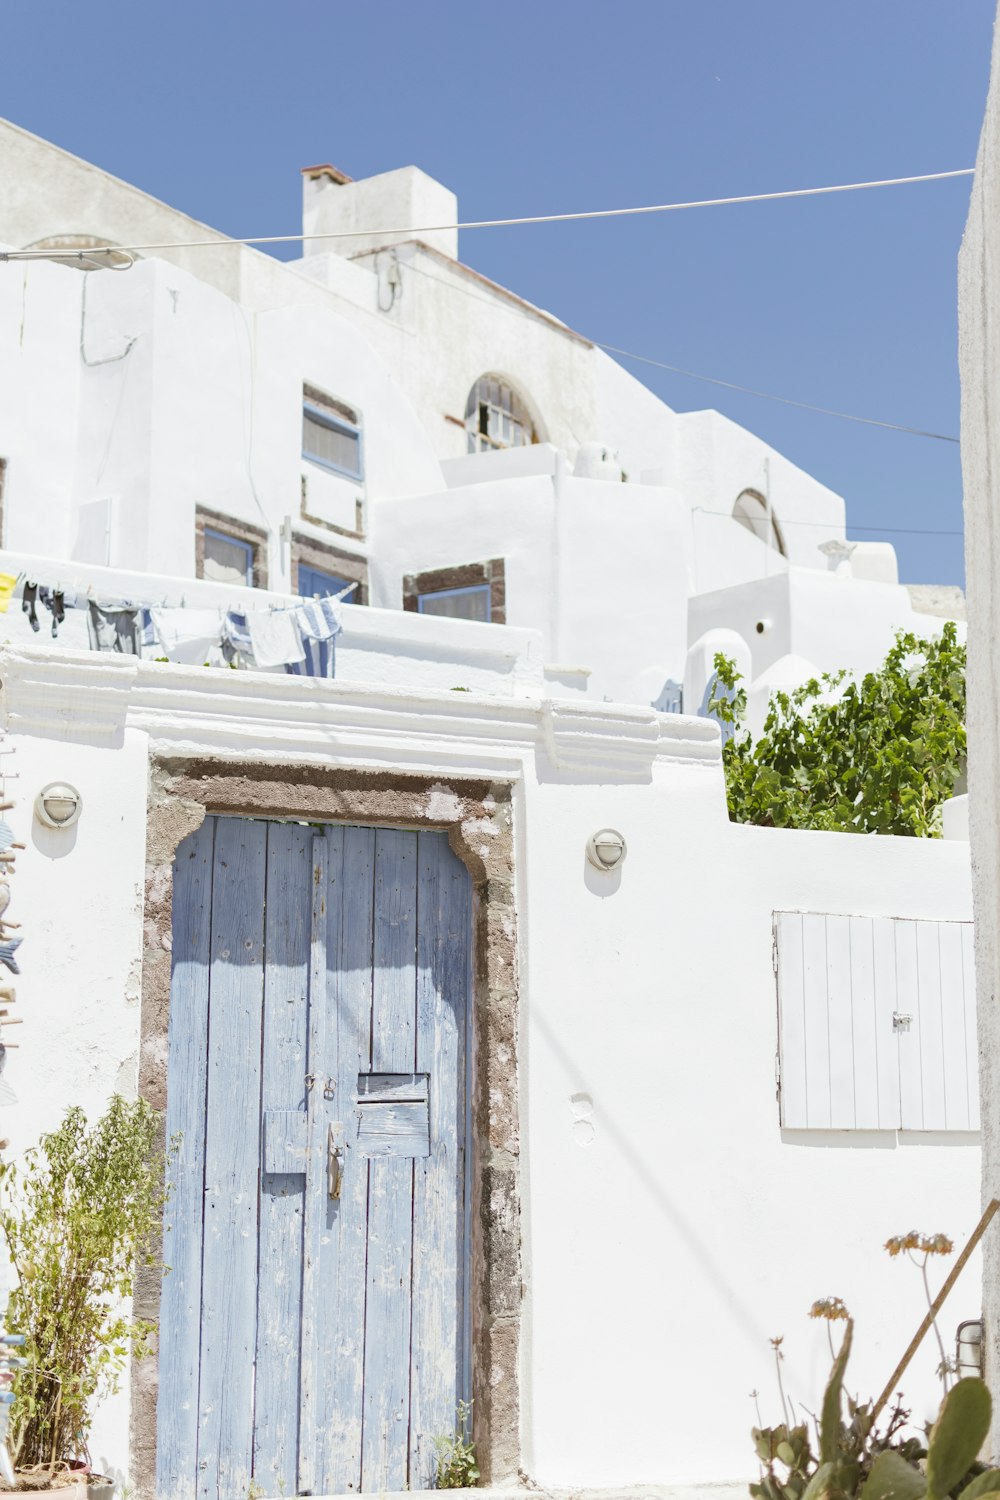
(313,1328)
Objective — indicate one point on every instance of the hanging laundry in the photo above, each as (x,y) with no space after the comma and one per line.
(236,643)
(148,638)
(29,603)
(7,951)
(55,602)
(319,623)
(188,635)
(7,839)
(8,583)
(275,639)
(113,627)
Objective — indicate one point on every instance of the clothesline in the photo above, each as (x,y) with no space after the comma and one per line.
(298,636)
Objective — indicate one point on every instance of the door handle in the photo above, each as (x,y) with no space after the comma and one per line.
(334,1164)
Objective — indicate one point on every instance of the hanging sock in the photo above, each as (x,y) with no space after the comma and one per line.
(8,583)
(7,951)
(29,603)
(114,627)
(55,602)
(275,638)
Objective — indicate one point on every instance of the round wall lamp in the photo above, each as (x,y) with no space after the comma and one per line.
(606,849)
(58,805)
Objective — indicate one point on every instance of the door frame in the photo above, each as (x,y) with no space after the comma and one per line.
(477,815)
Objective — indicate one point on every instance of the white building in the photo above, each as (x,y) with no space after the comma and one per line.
(979,291)
(143,409)
(688,1113)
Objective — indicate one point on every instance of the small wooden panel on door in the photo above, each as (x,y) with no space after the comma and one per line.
(313,1332)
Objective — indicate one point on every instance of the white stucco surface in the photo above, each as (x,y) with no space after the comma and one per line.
(128,399)
(671,1227)
(979,358)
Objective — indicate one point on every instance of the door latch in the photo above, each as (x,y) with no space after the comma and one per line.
(901,1021)
(334,1164)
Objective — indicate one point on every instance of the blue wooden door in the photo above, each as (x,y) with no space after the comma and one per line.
(313,1325)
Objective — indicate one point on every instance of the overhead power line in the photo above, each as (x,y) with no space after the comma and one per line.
(89,256)
(412,231)
(730,385)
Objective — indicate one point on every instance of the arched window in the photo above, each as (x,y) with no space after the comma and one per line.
(750,511)
(496,417)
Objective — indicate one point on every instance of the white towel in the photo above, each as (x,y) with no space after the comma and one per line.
(187,635)
(275,638)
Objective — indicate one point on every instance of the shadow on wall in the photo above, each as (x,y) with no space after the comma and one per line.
(878,1140)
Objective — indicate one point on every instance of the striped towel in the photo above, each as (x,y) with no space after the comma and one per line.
(319,623)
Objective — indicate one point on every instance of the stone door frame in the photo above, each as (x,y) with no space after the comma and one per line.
(477,815)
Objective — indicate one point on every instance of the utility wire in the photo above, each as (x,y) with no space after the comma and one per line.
(747,390)
(729,385)
(413,231)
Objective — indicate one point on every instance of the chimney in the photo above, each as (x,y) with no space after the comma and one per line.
(377,211)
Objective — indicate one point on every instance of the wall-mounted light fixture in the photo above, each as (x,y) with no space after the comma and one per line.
(969,1347)
(606,849)
(58,805)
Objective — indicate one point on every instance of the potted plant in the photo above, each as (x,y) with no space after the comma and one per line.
(79,1213)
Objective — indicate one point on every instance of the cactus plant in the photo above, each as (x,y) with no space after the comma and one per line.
(987,1483)
(957,1436)
(857,1461)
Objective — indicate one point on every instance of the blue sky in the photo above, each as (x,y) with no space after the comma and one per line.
(539,106)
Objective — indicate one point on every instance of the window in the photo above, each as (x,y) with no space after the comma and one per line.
(229,551)
(319,569)
(227,560)
(314,584)
(877,1023)
(331,434)
(457,604)
(468,591)
(750,511)
(496,417)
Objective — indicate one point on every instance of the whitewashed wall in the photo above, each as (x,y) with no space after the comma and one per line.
(671,1228)
(180,384)
(979,360)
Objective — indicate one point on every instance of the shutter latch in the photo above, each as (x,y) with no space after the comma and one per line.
(901,1021)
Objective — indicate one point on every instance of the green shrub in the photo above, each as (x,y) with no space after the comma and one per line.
(875,755)
(80,1210)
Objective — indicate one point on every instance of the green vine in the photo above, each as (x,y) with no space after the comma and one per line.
(877,754)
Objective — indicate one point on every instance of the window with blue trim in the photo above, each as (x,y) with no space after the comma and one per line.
(314,583)
(331,434)
(457,604)
(227,558)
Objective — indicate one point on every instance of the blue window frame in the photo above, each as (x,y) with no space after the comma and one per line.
(471,603)
(228,559)
(331,436)
(313,582)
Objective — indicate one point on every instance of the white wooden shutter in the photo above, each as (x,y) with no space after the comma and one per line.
(848,1057)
